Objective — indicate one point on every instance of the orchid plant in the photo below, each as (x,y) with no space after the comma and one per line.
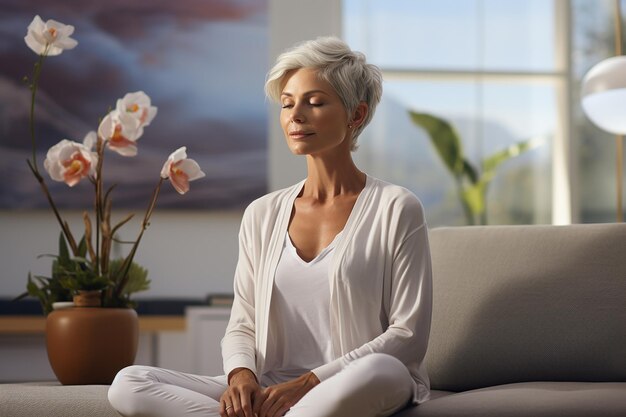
(87,265)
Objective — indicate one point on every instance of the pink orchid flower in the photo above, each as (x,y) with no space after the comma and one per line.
(180,170)
(120,131)
(138,106)
(69,162)
(49,38)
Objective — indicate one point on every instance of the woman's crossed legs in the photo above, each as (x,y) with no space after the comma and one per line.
(376,385)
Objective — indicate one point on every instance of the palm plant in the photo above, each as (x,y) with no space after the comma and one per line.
(472,183)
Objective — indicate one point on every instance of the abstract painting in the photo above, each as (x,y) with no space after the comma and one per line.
(203,64)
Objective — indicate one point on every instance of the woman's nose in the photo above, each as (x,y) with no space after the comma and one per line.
(296,115)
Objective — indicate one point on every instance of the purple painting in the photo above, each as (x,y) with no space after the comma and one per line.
(202,62)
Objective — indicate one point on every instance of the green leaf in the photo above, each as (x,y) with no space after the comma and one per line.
(31,287)
(445,139)
(21,296)
(43,281)
(474,196)
(79,260)
(57,269)
(492,162)
(470,171)
(82,247)
(48,291)
(137,276)
(64,253)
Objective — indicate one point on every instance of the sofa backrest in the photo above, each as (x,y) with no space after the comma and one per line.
(527,303)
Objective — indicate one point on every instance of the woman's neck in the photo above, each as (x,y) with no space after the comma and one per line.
(331,177)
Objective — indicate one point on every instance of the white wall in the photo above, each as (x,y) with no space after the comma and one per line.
(293,21)
(188,254)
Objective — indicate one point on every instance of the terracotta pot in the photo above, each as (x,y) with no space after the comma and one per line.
(90,345)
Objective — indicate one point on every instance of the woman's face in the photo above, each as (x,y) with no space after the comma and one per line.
(312,115)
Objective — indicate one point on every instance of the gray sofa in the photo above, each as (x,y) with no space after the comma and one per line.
(527,321)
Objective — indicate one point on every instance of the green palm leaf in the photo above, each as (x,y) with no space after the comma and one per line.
(444,138)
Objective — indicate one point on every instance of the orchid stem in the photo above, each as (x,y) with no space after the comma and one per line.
(33,88)
(33,164)
(64,227)
(98,201)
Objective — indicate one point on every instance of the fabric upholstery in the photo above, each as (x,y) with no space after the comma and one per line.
(536,399)
(527,303)
(51,399)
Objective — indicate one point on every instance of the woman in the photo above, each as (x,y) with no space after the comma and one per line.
(332,304)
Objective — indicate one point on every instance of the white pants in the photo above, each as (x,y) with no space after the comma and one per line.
(376,385)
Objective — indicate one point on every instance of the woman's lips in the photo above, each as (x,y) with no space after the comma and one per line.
(299,134)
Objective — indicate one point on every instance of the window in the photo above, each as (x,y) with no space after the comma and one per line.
(593,41)
(496,71)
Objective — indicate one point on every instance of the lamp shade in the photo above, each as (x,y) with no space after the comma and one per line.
(604,95)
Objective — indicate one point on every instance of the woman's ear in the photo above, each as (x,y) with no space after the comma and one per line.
(359,115)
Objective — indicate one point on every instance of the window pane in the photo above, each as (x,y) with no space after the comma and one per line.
(427,34)
(521,190)
(453,34)
(593,41)
(518,35)
(394,149)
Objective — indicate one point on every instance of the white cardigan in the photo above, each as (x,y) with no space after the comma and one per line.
(380,281)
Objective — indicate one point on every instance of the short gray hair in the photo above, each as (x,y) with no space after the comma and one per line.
(347,71)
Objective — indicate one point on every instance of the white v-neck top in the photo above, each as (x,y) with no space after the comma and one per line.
(380,279)
(300,311)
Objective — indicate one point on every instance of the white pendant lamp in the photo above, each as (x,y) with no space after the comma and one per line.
(604,95)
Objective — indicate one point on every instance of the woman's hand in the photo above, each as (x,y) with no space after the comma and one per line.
(276,400)
(242,390)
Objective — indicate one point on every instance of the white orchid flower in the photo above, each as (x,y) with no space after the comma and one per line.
(138,106)
(69,162)
(120,131)
(180,170)
(49,38)
(90,140)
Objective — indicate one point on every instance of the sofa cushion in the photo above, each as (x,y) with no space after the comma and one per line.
(51,399)
(536,399)
(527,303)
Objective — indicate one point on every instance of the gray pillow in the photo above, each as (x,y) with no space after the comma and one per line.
(527,303)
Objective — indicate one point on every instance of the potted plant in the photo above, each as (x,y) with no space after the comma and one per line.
(89,345)
(472,183)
